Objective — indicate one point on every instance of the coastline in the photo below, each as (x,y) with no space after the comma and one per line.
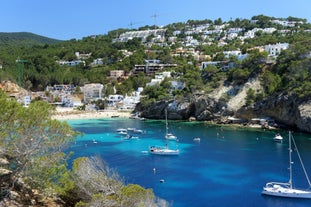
(64,114)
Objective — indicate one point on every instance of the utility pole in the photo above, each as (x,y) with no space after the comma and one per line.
(19,68)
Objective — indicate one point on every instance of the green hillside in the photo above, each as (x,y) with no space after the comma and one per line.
(24,39)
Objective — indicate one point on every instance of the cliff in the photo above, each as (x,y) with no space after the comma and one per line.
(286,109)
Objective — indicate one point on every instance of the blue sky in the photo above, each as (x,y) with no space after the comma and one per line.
(68,19)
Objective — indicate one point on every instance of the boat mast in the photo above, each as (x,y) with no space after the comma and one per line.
(302,165)
(290,160)
(166,122)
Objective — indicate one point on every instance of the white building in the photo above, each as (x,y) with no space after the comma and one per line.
(71,63)
(143,34)
(275,50)
(114,99)
(92,92)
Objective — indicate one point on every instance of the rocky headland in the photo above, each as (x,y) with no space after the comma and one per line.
(281,110)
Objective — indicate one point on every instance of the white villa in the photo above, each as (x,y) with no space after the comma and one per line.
(92,91)
(275,50)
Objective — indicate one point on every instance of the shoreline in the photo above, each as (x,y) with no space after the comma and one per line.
(64,114)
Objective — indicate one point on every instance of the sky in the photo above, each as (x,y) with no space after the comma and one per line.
(75,19)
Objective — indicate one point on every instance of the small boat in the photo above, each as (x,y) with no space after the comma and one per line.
(286,189)
(128,137)
(170,136)
(139,131)
(197,139)
(122,131)
(278,138)
(163,151)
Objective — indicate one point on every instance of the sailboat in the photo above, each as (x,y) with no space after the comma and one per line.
(286,189)
(156,150)
(169,135)
(164,150)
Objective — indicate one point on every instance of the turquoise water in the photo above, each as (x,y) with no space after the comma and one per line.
(228,167)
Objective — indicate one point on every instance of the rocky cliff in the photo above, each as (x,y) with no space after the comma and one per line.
(286,109)
(12,89)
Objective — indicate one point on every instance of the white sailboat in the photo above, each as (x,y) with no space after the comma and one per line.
(286,189)
(169,135)
(164,150)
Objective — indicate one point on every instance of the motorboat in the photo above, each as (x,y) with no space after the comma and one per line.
(122,131)
(170,136)
(278,138)
(197,139)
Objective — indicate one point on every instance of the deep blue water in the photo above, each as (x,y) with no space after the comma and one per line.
(228,167)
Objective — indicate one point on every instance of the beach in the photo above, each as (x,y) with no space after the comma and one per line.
(64,113)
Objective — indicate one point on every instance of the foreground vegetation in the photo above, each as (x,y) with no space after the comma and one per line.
(34,146)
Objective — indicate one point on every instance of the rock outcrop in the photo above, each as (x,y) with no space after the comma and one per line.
(12,89)
(286,109)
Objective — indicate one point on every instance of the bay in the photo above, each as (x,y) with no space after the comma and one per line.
(228,167)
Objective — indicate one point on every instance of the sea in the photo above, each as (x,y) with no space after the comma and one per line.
(228,166)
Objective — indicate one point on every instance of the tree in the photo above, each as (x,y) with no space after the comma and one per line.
(250,98)
(99,185)
(33,142)
(270,82)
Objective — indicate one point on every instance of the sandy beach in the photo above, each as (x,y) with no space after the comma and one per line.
(63,113)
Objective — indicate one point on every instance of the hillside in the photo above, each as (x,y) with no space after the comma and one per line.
(24,39)
(225,65)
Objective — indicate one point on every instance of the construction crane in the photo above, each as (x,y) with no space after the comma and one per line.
(155,19)
(19,68)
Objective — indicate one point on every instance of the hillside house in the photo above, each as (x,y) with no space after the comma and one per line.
(275,50)
(92,91)
(114,99)
(98,61)
(115,74)
(82,56)
(151,67)
(71,63)
(222,65)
